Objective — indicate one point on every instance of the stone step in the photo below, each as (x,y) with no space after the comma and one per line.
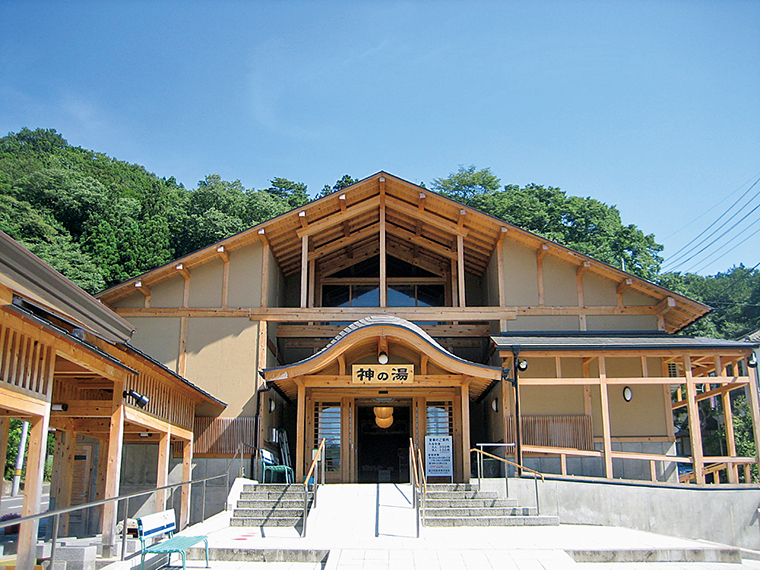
(480,512)
(263,504)
(273,495)
(452,487)
(276,487)
(472,503)
(264,513)
(295,555)
(538,520)
(265,521)
(726,555)
(461,494)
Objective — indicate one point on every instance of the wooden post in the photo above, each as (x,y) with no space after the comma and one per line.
(300,430)
(60,487)
(460,270)
(261,362)
(187,464)
(162,471)
(383,260)
(540,273)
(728,420)
(35,470)
(304,271)
(100,483)
(501,277)
(754,411)
(695,429)
(606,434)
(466,469)
(113,470)
(264,272)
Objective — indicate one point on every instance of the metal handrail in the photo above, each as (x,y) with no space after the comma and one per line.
(535,473)
(312,467)
(415,481)
(56,514)
(423,478)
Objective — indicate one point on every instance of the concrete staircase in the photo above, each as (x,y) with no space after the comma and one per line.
(463,505)
(270,505)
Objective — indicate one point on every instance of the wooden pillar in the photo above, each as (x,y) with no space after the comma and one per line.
(460,270)
(35,469)
(261,361)
(5,424)
(113,469)
(304,271)
(60,487)
(162,471)
(695,429)
(187,464)
(606,434)
(754,407)
(265,249)
(540,273)
(100,482)
(300,430)
(454,287)
(728,421)
(465,395)
(586,365)
(383,260)
(501,277)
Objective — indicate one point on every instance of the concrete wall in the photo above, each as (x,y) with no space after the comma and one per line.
(724,514)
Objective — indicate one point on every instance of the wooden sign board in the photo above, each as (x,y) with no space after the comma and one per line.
(382,373)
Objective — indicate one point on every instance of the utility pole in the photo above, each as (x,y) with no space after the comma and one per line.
(20,459)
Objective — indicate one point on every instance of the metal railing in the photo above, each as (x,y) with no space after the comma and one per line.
(56,514)
(312,470)
(419,484)
(535,473)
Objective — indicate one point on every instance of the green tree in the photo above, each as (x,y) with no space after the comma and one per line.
(294,193)
(344,182)
(467,183)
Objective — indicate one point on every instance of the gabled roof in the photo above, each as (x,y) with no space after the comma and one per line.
(343,229)
(31,278)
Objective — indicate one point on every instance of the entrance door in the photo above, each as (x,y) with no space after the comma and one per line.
(383,443)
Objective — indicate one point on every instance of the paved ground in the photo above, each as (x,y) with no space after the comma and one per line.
(368,527)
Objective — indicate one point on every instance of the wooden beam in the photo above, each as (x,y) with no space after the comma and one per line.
(421,202)
(162,470)
(754,407)
(32,505)
(145,290)
(460,271)
(605,416)
(261,361)
(339,217)
(540,273)
(501,278)
(342,202)
(304,271)
(622,287)
(113,471)
(187,464)
(383,257)
(722,390)
(6,295)
(695,430)
(302,220)
(666,305)
(182,354)
(340,243)
(425,216)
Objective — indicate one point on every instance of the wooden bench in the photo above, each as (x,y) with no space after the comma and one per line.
(158,524)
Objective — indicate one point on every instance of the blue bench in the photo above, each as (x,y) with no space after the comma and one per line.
(159,524)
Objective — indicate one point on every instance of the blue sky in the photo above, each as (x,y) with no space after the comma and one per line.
(649,106)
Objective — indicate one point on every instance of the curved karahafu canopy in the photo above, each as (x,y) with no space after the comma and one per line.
(397,337)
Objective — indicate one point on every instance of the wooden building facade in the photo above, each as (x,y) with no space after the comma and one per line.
(387,300)
(66,366)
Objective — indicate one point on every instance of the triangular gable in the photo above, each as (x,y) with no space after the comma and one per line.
(420,227)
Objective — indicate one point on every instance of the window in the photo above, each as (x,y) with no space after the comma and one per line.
(439,419)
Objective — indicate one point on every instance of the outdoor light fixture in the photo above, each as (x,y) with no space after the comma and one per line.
(271,405)
(384,423)
(59,407)
(752,360)
(140,400)
(146,435)
(382,358)
(627,394)
(495,404)
(522,365)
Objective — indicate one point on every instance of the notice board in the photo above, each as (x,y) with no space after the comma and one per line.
(439,459)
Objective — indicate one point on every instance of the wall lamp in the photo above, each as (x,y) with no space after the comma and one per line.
(382,358)
(59,407)
(752,360)
(140,400)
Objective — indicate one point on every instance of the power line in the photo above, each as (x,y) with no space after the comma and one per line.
(732,228)
(703,214)
(735,283)
(711,259)
(679,255)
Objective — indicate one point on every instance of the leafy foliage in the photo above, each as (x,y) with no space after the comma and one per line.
(583,224)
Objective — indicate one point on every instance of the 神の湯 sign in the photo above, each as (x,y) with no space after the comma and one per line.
(382,373)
